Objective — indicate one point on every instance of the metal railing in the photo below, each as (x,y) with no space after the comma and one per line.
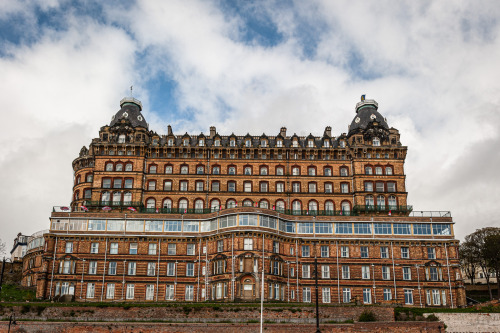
(380,208)
(429,213)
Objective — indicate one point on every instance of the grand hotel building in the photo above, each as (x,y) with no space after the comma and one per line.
(218,217)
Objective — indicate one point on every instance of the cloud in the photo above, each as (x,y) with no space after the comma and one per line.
(254,68)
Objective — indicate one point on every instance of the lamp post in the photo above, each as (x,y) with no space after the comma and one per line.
(12,321)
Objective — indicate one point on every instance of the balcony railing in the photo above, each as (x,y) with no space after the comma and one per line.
(113,203)
(380,208)
(177,210)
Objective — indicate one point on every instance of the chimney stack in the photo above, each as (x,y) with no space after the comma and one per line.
(328,131)
(283,132)
(212,131)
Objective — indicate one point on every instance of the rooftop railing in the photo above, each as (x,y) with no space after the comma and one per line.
(430,213)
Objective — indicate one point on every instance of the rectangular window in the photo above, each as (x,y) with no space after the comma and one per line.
(406,273)
(69,247)
(305,272)
(106,183)
(94,248)
(92,267)
(367,296)
(402,229)
(408,296)
(431,253)
(382,228)
(443,292)
(343,228)
(384,252)
(112,268)
(391,187)
(248,244)
(263,187)
(130,291)
(189,293)
(325,251)
(405,253)
(151,185)
(344,188)
(150,292)
(231,186)
(171,269)
(190,249)
(441,229)
(386,273)
(110,291)
(280,187)
(151,268)
(276,247)
(364,251)
(131,268)
(183,185)
(368,187)
(152,248)
(328,188)
(346,272)
(169,292)
(379,187)
(306,251)
(326,295)
(344,252)
(296,187)
(346,295)
(133,248)
(172,249)
(199,186)
(215,186)
(365,272)
(113,248)
(362,228)
(247,187)
(90,290)
(306,295)
(190,269)
(325,271)
(312,187)
(433,273)
(421,229)
(387,294)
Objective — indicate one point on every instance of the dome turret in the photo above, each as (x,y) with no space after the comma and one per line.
(130,110)
(367,116)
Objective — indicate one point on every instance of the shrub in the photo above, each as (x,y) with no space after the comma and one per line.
(367,316)
(432,317)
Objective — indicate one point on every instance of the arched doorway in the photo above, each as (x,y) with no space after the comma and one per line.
(247,288)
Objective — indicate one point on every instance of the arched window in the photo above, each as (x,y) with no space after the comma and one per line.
(117,197)
(295,171)
(344,172)
(127,198)
(183,204)
(248,170)
(214,205)
(376,142)
(152,169)
(78,179)
(311,171)
(263,171)
(369,201)
(381,202)
(128,167)
(296,207)
(230,203)
(264,204)
(368,170)
(378,170)
(313,206)
(329,207)
(231,170)
(119,167)
(392,202)
(168,169)
(90,178)
(216,170)
(151,203)
(247,203)
(388,170)
(109,166)
(105,198)
(327,171)
(199,170)
(184,170)
(167,204)
(77,195)
(198,206)
(280,205)
(346,208)
(280,171)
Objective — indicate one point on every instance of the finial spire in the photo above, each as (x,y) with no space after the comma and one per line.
(131,94)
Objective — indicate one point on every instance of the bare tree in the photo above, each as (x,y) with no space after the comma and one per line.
(469,258)
(2,248)
(476,240)
(491,253)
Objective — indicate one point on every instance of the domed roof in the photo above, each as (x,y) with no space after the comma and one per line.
(131,111)
(366,114)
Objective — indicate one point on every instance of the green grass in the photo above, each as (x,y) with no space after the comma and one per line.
(14,293)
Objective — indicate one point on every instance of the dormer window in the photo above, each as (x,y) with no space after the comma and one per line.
(326,143)
(201,142)
(310,143)
(376,142)
(248,143)
(121,138)
(170,142)
(263,143)
(342,144)
(185,142)
(232,143)
(279,143)
(295,143)
(217,143)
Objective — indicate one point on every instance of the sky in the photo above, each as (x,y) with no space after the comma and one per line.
(252,66)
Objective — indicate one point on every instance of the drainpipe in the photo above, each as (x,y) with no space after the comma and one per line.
(338,269)
(158,269)
(449,277)
(104,270)
(394,274)
(53,266)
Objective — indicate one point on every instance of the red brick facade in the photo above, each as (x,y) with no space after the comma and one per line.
(180,217)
